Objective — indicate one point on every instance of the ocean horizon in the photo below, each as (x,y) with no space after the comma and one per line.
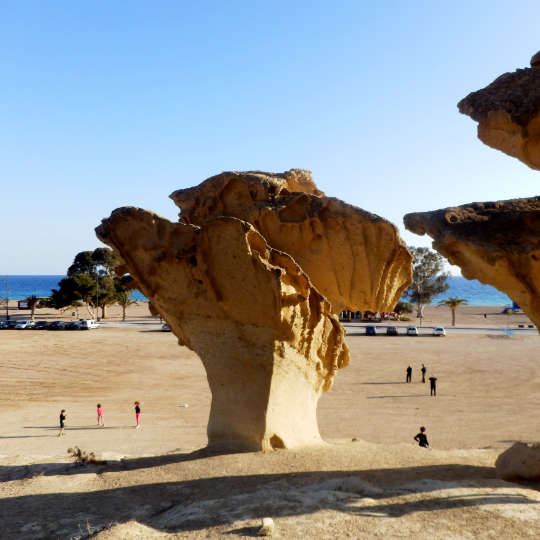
(474,292)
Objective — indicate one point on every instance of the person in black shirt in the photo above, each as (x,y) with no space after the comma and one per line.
(409,374)
(421,438)
(423,370)
(433,385)
(62,422)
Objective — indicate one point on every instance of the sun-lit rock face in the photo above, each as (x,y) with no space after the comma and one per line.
(508,113)
(267,338)
(354,258)
(497,243)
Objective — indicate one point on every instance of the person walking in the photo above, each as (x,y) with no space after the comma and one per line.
(421,438)
(409,374)
(433,385)
(62,422)
(100,415)
(423,370)
(137,413)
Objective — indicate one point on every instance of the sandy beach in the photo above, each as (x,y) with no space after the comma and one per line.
(465,315)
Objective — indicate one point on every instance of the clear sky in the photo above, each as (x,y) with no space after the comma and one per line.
(107,104)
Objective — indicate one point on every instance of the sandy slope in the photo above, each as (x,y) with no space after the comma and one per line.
(487,398)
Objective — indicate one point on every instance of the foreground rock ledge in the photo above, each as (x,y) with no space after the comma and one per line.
(497,243)
(508,113)
(267,338)
(353,257)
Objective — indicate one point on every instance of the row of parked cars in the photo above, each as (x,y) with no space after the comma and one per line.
(82,324)
(411,330)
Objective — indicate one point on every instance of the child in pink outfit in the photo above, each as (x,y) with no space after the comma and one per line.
(100,415)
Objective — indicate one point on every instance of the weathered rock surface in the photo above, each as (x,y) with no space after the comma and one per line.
(508,113)
(266,336)
(519,462)
(497,243)
(354,258)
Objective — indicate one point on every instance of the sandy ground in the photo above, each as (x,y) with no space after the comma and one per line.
(487,398)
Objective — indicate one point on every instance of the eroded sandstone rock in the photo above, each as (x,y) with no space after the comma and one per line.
(519,462)
(354,258)
(508,113)
(497,243)
(266,336)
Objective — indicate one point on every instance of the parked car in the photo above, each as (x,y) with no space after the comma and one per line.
(439,331)
(73,326)
(11,324)
(371,330)
(57,325)
(165,328)
(41,325)
(412,331)
(25,325)
(391,330)
(88,324)
(3,324)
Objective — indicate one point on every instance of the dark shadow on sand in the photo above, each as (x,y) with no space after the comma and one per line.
(151,500)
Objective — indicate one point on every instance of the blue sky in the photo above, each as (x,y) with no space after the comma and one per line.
(107,104)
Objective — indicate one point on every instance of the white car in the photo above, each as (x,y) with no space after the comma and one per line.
(412,331)
(88,324)
(25,325)
(439,331)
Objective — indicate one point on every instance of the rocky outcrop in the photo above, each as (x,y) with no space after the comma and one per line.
(497,243)
(267,338)
(508,113)
(354,258)
(519,462)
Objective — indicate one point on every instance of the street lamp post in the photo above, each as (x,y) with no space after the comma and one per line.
(6,281)
(421,299)
(97,294)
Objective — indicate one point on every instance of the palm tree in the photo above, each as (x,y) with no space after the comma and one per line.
(453,304)
(33,301)
(124,299)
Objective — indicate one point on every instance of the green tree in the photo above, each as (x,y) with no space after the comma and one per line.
(453,304)
(92,280)
(429,279)
(403,307)
(125,300)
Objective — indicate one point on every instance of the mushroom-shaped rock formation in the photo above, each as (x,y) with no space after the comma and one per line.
(267,338)
(508,113)
(355,258)
(497,243)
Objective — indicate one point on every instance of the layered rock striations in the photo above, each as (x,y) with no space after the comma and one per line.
(355,258)
(251,279)
(267,338)
(508,113)
(497,243)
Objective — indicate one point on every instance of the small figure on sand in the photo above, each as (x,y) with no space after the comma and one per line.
(100,415)
(423,370)
(62,422)
(137,413)
(421,438)
(409,374)
(433,385)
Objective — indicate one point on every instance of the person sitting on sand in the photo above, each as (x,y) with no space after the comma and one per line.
(421,438)
(100,415)
(62,422)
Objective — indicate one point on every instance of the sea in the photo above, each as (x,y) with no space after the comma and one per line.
(477,294)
